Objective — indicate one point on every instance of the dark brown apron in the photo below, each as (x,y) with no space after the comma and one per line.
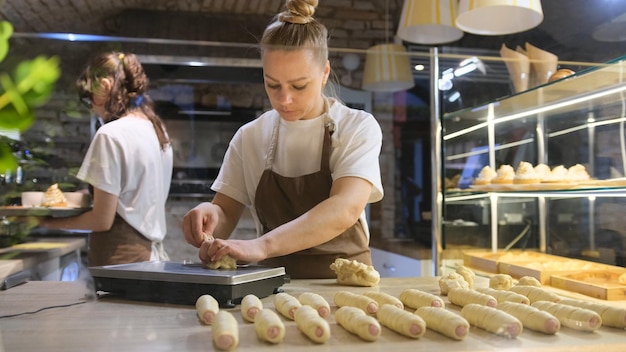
(120,245)
(280,199)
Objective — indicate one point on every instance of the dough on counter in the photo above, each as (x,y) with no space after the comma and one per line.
(611,316)
(444,322)
(415,298)
(401,321)
(504,296)
(347,298)
(535,294)
(531,317)
(450,281)
(207,308)
(468,274)
(622,279)
(316,301)
(269,327)
(355,320)
(225,331)
(352,272)
(251,305)
(501,282)
(286,304)
(496,321)
(576,318)
(528,281)
(384,298)
(464,296)
(309,322)
(226,262)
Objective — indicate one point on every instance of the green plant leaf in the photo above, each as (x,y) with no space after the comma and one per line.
(6,30)
(35,79)
(11,119)
(7,160)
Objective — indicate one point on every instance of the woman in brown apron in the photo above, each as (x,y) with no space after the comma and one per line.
(128,165)
(307,214)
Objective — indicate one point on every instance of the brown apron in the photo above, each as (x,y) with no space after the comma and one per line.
(120,245)
(280,199)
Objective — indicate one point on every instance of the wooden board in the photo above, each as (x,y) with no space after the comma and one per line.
(488,261)
(601,284)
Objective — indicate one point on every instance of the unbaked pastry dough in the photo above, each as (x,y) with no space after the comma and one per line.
(352,272)
(286,304)
(384,298)
(464,296)
(504,296)
(357,322)
(347,298)
(401,321)
(269,327)
(535,294)
(415,298)
(468,274)
(309,322)
(450,281)
(444,322)
(531,317)
(492,320)
(316,301)
(528,281)
(207,308)
(573,317)
(251,305)
(226,262)
(225,331)
(611,315)
(501,282)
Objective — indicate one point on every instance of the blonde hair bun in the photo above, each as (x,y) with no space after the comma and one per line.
(298,11)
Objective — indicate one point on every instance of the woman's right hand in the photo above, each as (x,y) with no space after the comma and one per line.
(199,223)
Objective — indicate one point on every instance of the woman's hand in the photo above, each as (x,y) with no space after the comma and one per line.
(200,222)
(244,251)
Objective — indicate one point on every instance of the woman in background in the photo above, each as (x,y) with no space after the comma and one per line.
(306,169)
(129,165)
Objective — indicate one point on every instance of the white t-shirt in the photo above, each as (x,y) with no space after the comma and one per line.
(356,145)
(126,160)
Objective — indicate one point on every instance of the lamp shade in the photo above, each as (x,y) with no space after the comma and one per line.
(429,21)
(387,69)
(498,17)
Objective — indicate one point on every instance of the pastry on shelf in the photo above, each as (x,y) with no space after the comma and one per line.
(558,174)
(53,197)
(543,171)
(525,174)
(485,176)
(504,175)
(578,173)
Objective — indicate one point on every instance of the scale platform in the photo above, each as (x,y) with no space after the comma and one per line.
(183,283)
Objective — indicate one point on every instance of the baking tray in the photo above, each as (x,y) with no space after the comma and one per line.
(56,212)
(183,283)
(601,284)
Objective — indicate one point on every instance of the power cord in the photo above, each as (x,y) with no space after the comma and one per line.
(42,309)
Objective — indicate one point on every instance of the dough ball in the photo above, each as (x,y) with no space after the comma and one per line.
(501,282)
(450,281)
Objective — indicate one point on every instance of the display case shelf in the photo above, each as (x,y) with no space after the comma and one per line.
(576,120)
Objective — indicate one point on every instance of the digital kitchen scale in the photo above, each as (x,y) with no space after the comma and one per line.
(183,283)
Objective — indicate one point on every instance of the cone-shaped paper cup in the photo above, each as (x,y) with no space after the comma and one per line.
(543,64)
(518,66)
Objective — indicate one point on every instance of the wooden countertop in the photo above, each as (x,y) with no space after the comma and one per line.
(63,319)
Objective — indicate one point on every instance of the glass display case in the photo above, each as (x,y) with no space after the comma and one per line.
(573,123)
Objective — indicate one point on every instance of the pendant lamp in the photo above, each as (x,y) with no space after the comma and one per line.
(429,22)
(387,67)
(498,17)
